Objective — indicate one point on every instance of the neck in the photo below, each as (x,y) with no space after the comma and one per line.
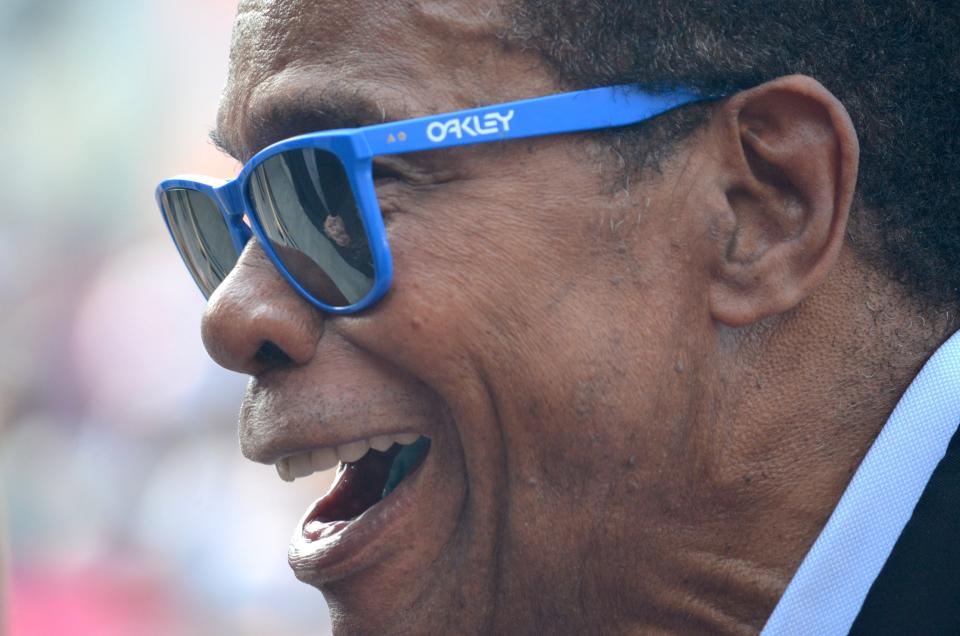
(808,395)
(786,418)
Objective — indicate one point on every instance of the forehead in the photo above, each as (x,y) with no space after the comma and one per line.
(383,59)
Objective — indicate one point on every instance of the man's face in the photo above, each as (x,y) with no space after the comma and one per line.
(539,331)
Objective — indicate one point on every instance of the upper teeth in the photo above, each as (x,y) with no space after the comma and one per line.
(309,462)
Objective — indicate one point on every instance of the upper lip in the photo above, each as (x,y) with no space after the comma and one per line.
(269,433)
(335,444)
(283,444)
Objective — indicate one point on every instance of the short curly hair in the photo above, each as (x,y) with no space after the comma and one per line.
(894,65)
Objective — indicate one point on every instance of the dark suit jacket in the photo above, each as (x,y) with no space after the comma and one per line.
(918,590)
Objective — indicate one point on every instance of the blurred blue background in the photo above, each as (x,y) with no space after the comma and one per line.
(128,508)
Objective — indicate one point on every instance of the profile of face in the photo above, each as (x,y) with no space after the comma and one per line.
(556,330)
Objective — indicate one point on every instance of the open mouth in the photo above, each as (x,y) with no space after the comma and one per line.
(369,471)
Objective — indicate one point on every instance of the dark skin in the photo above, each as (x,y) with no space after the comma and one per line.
(643,404)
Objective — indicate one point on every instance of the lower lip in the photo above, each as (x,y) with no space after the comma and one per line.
(322,552)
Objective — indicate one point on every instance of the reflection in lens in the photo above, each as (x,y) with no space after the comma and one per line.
(307,209)
(202,236)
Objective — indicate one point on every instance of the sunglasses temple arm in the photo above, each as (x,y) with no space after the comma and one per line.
(555,114)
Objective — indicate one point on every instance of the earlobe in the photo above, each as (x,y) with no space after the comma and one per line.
(790,173)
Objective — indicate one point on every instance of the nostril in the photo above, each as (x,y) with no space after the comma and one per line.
(256,322)
(273,356)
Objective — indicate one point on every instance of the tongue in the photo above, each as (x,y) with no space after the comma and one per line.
(358,487)
(406,461)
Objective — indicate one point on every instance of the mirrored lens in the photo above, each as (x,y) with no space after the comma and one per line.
(202,236)
(308,211)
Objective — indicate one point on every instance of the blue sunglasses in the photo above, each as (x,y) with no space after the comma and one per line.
(311,202)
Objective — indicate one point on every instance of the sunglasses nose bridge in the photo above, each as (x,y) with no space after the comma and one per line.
(230,199)
(231,204)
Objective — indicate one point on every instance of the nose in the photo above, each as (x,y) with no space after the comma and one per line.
(255,322)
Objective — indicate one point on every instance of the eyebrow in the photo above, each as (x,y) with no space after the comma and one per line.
(304,113)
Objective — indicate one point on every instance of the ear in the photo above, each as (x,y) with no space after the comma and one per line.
(789,173)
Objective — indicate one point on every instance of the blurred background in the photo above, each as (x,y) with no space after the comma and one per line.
(128,509)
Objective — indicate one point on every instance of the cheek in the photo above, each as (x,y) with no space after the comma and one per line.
(524,277)
(468,256)
(575,330)
(593,415)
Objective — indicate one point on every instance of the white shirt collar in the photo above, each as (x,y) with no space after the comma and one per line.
(828,590)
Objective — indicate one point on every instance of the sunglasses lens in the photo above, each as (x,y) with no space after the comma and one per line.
(202,236)
(307,209)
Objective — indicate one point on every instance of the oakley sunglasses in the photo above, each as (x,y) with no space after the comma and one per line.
(311,202)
